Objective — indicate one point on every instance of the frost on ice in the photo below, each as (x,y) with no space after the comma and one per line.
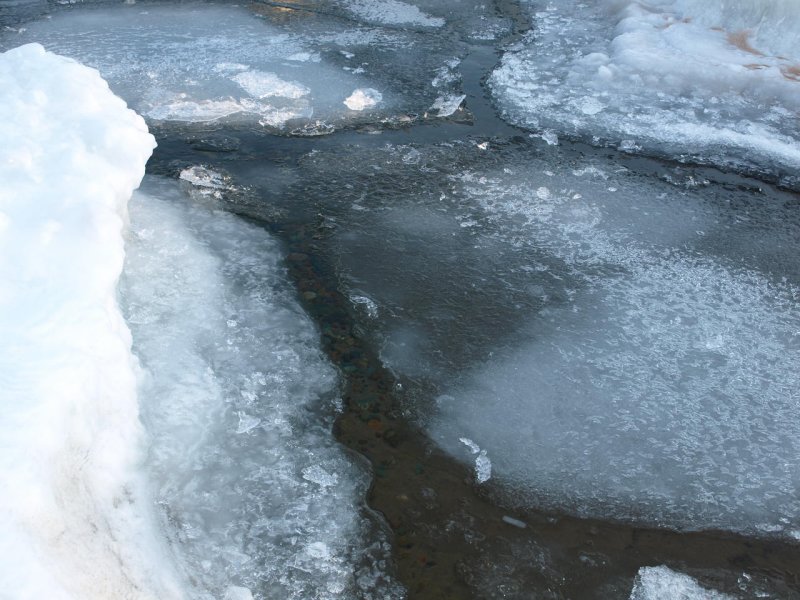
(620,346)
(75,516)
(238,405)
(717,82)
(662,583)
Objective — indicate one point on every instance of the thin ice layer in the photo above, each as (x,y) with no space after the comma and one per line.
(717,82)
(201,63)
(620,346)
(238,404)
(75,518)
(658,382)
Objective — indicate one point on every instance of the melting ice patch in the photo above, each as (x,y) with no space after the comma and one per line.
(202,63)
(75,515)
(238,405)
(718,82)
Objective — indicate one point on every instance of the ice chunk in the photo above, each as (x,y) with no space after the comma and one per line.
(483,467)
(265,85)
(203,177)
(447,105)
(76,519)
(716,82)
(236,592)
(363,98)
(662,583)
(203,63)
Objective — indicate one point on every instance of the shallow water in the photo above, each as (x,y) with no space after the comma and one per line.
(615,335)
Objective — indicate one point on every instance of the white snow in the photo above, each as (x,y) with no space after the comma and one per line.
(715,81)
(363,98)
(75,516)
(662,583)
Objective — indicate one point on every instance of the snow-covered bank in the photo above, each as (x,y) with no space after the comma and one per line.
(716,82)
(74,520)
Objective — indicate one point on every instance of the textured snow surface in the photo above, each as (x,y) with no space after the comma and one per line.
(719,82)
(238,404)
(662,583)
(75,520)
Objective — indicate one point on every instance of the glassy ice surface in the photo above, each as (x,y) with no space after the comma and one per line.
(712,81)
(238,403)
(616,345)
(201,63)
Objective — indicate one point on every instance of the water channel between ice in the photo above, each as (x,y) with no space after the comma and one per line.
(577,334)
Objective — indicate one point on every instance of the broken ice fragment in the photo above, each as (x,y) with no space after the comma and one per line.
(363,98)
(447,105)
(318,475)
(247,423)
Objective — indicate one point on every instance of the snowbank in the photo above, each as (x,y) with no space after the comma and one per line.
(74,522)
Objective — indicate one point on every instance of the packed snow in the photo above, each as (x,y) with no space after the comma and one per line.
(76,517)
(717,82)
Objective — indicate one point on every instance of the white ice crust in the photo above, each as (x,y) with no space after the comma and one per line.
(391,12)
(662,583)
(74,519)
(718,81)
(257,498)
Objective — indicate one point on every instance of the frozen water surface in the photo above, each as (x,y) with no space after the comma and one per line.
(238,405)
(716,82)
(616,345)
(206,63)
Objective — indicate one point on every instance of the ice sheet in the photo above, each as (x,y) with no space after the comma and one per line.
(621,346)
(201,63)
(238,403)
(716,82)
